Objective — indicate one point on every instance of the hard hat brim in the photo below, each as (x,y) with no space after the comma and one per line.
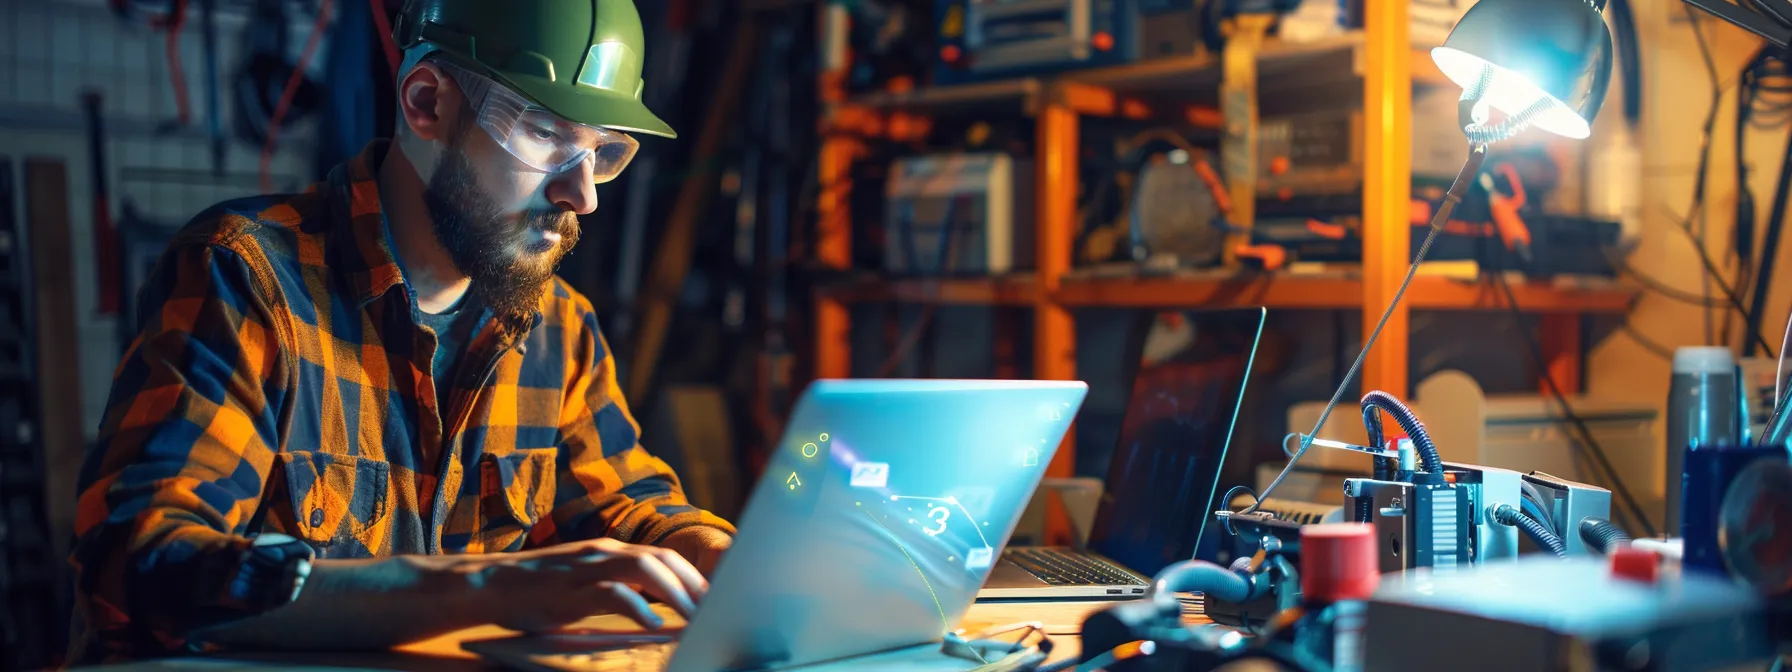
(595,107)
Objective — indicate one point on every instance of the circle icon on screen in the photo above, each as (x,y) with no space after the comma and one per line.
(809,449)
(824,437)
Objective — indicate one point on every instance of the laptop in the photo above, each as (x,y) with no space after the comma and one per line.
(1191,368)
(880,514)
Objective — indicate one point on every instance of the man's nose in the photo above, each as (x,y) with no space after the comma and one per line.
(574,190)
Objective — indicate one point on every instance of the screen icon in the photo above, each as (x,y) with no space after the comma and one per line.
(1029,457)
(793,481)
(870,474)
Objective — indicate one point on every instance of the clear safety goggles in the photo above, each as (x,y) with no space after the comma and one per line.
(539,138)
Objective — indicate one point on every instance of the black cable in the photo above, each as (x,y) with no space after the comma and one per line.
(1776,220)
(1587,441)
(1377,400)
(1602,535)
(1649,344)
(1712,274)
(1696,208)
(1662,289)
(1506,515)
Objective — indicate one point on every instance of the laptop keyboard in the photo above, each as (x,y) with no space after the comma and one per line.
(1059,568)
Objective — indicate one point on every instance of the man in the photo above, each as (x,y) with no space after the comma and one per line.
(369,413)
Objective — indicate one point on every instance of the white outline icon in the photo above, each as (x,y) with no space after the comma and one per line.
(870,474)
(809,449)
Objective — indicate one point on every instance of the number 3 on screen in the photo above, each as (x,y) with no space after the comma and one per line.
(938,514)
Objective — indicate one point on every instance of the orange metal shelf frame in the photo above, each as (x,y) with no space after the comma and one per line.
(1200,290)
(1381,57)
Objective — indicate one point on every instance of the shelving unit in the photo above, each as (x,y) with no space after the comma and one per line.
(1380,57)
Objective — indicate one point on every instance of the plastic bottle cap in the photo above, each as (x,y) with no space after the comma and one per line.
(1635,564)
(1704,359)
(1337,562)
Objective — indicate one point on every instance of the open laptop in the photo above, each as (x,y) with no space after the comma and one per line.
(1190,376)
(874,523)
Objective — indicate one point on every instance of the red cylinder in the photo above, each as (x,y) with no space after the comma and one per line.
(1337,562)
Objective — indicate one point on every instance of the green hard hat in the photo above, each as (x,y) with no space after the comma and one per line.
(580,59)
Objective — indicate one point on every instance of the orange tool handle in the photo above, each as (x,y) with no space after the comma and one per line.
(1505,210)
(1214,185)
(1272,257)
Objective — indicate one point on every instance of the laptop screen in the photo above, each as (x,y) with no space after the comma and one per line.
(1192,367)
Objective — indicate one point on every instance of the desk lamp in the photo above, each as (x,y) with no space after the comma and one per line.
(1541,64)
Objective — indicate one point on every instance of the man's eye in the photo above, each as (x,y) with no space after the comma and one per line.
(542,134)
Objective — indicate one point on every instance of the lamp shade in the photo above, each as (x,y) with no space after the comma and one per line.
(1555,51)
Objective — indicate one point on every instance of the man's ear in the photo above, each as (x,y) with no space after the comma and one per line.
(427,101)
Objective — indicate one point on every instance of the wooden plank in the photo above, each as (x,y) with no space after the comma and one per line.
(1387,190)
(58,338)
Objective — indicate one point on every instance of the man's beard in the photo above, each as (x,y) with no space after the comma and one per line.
(491,248)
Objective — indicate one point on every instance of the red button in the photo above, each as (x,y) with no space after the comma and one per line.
(1338,562)
(1102,41)
(1635,564)
(950,53)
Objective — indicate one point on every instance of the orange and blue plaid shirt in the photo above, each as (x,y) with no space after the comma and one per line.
(281,382)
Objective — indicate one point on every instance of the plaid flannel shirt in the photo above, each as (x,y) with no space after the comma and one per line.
(281,382)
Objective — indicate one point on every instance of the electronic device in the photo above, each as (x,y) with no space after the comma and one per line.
(1575,511)
(1627,612)
(1310,154)
(874,523)
(956,214)
(1192,368)
(890,41)
(982,40)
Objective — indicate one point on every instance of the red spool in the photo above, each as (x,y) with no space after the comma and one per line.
(1337,562)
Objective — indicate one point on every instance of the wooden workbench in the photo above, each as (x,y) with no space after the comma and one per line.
(1062,621)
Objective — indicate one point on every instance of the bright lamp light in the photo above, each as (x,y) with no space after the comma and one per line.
(1544,63)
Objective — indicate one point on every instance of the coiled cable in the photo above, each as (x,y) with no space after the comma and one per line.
(1602,535)
(1506,515)
(1377,400)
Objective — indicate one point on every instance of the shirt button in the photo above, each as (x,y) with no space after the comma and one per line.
(317,517)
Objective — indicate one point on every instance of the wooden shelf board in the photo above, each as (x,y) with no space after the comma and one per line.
(1283,65)
(1334,292)
(1000,291)
(1200,289)
(1024,92)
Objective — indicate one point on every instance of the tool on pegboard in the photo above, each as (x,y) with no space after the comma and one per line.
(1244,25)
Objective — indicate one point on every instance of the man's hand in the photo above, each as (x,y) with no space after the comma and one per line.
(552,587)
(702,546)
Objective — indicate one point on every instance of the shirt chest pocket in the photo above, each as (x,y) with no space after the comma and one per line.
(516,490)
(338,501)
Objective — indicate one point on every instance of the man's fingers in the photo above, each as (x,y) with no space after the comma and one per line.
(644,569)
(687,573)
(617,597)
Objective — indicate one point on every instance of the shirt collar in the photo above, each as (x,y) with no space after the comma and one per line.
(362,259)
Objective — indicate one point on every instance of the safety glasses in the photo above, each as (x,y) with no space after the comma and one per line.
(539,138)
